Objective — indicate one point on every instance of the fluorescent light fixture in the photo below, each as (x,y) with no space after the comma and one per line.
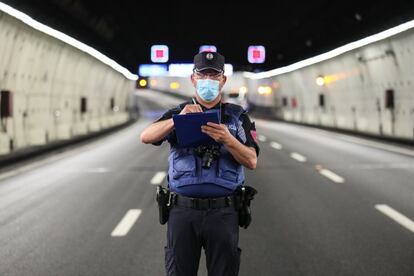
(320,81)
(228,69)
(243,89)
(207,48)
(175,85)
(180,69)
(152,70)
(264,90)
(186,69)
(66,39)
(333,53)
(143,82)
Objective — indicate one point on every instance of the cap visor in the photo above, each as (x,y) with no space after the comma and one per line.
(205,68)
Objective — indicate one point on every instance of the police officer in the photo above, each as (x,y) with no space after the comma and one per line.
(203,213)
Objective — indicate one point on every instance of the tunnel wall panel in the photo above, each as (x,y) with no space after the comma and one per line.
(48,78)
(354,92)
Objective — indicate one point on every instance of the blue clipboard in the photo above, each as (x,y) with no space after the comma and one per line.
(188,128)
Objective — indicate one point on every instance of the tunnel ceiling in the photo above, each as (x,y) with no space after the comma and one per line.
(290,30)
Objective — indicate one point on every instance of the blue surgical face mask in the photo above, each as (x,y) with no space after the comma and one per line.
(208,89)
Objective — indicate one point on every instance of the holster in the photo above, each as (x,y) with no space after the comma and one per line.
(243,197)
(163,197)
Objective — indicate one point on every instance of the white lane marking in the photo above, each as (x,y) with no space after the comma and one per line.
(275,145)
(298,157)
(158,178)
(396,216)
(126,223)
(332,176)
(262,138)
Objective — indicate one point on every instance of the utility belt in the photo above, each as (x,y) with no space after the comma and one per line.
(201,203)
(240,200)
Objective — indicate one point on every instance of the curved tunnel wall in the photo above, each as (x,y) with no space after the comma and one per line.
(368,90)
(52,91)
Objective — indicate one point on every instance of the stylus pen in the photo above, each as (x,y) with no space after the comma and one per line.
(194,102)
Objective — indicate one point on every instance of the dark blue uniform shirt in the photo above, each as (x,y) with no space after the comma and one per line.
(246,135)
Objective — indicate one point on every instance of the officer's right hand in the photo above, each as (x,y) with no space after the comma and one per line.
(191,108)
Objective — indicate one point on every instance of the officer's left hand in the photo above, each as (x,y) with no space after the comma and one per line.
(218,132)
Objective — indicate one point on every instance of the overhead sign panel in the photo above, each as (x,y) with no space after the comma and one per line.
(256,54)
(159,53)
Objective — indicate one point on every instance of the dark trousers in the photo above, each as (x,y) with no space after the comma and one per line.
(215,230)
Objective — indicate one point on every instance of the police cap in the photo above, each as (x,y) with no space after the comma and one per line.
(209,60)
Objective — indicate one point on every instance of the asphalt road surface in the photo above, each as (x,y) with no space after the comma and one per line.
(328,204)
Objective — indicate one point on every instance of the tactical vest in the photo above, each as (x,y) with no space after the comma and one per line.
(185,166)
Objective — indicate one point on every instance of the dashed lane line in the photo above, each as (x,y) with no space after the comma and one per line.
(396,216)
(298,157)
(262,138)
(276,145)
(332,176)
(126,223)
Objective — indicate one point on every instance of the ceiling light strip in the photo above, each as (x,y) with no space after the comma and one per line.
(333,53)
(66,39)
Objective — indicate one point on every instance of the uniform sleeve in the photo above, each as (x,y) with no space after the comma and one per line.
(167,115)
(171,137)
(246,133)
